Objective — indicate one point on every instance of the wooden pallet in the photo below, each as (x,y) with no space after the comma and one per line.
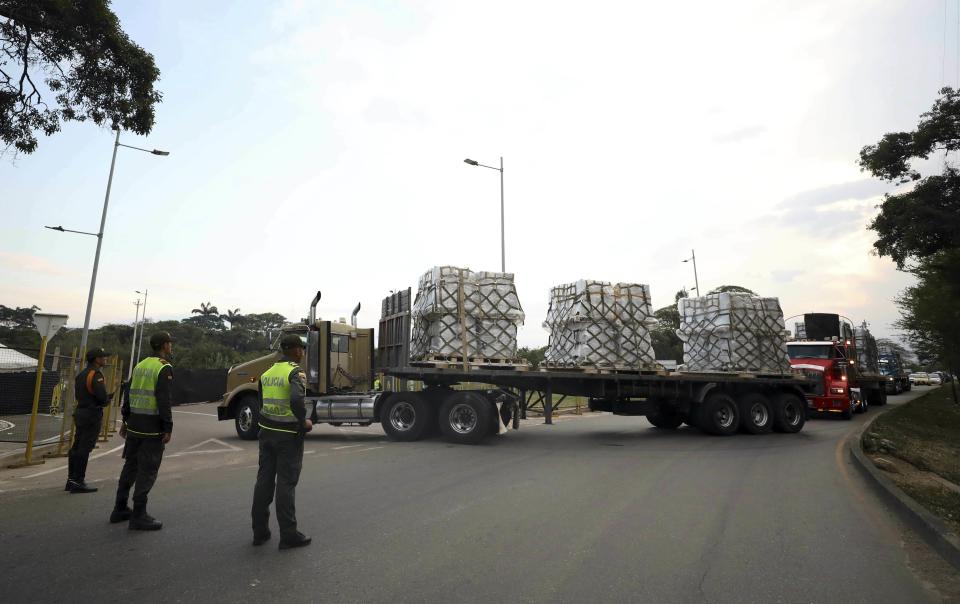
(603,370)
(472,363)
(742,374)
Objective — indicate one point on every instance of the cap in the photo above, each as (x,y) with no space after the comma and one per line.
(96,353)
(291,340)
(158,339)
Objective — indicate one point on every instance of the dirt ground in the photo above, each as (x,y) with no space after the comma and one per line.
(918,446)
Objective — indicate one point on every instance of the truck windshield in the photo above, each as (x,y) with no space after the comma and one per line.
(810,352)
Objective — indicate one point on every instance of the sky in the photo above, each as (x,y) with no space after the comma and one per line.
(320,146)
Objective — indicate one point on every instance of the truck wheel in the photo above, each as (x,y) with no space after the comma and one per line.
(756,413)
(880,399)
(246,418)
(465,417)
(789,412)
(719,415)
(405,417)
(665,417)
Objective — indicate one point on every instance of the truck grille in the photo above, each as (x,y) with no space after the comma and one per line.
(817,377)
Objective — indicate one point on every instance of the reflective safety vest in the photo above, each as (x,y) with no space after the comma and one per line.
(275,386)
(376,383)
(143,385)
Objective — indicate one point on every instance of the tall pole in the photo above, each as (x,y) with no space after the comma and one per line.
(503,245)
(143,325)
(96,258)
(133,340)
(696,280)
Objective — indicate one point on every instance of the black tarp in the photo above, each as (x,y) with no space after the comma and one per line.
(198,385)
(16,392)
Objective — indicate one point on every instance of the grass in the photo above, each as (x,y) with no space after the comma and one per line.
(926,434)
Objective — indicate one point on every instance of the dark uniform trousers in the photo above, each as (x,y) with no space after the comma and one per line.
(142,457)
(88,422)
(281,458)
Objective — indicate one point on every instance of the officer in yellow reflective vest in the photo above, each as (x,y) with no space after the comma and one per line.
(147,426)
(283,422)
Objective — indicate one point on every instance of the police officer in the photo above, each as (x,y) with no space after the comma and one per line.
(91,396)
(376,383)
(147,426)
(283,422)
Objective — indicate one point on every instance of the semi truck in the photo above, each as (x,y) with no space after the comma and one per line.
(842,363)
(421,399)
(892,369)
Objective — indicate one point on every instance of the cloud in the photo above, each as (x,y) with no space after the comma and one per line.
(740,134)
(858,189)
(28,263)
(785,275)
(830,210)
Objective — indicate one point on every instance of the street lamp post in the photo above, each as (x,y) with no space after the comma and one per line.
(503,253)
(99,235)
(143,323)
(696,280)
(133,340)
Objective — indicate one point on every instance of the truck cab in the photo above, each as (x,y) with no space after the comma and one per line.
(339,367)
(825,350)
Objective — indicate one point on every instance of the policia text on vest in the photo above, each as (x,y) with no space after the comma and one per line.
(147,427)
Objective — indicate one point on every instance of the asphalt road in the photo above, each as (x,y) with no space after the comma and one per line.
(592,509)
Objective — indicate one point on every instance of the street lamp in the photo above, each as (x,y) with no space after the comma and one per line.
(99,235)
(503,253)
(143,322)
(133,340)
(693,258)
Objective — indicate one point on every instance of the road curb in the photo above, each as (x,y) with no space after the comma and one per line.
(930,528)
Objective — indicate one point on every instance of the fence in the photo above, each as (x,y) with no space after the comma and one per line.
(54,420)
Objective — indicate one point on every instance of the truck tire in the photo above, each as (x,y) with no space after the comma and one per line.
(665,417)
(789,412)
(466,417)
(880,397)
(848,412)
(406,417)
(247,417)
(756,413)
(719,415)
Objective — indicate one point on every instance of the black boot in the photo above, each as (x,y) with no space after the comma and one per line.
(80,487)
(71,471)
(140,520)
(121,511)
(299,540)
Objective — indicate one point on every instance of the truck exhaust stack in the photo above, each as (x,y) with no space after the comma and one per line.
(313,309)
(353,315)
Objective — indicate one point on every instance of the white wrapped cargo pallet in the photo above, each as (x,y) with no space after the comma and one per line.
(596,323)
(733,332)
(463,314)
(868,356)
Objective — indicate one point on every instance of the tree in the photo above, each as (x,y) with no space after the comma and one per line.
(920,229)
(233,317)
(925,220)
(666,344)
(534,356)
(208,317)
(66,61)
(17,318)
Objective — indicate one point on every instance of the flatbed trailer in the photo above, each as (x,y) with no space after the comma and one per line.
(717,403)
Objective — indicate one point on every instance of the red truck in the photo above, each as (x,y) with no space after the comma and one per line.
(842,359)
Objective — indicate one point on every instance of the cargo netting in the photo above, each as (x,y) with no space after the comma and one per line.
(596,323)
(868,356)
(465,314)
(733,332)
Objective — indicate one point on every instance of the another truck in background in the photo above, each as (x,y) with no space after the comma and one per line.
(843,360)
(891,367)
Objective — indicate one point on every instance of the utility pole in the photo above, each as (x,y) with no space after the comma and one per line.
(133,340)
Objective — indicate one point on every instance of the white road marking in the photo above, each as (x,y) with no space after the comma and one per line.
(192,449)
(369,449)
(345,447)
(52,470)
(195,413)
